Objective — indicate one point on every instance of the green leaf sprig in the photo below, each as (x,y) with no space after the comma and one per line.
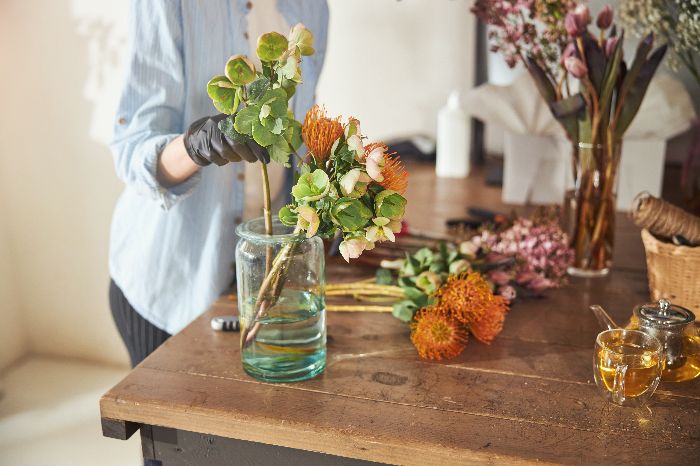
(257,101)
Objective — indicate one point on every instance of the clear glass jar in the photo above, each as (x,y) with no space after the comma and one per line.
(281,302)
(589,209)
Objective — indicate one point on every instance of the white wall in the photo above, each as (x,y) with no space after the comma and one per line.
(13,339)
(55,172)
(392,63)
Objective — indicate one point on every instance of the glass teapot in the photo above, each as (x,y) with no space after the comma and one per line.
(674,326)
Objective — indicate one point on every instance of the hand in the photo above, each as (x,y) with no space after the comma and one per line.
(206,144)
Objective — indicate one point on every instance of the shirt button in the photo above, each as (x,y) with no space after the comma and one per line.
(241,176)
(245,34)
(237,220)
(249,5)
(121,121)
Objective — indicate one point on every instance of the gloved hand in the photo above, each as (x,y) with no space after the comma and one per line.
(206,144)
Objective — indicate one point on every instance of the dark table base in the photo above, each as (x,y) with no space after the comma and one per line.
(172,447)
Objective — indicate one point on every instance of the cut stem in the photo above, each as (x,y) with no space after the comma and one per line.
(267,214)
(355,308)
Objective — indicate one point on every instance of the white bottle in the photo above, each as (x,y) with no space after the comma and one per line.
(452,140)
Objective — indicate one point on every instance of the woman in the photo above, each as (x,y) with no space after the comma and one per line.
(172,239)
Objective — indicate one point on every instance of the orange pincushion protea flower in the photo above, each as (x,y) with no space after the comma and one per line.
(490,325)
(436,335)
(467,297)
(320,132)
(393,173)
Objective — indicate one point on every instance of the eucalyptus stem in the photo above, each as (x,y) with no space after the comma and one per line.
(267,214)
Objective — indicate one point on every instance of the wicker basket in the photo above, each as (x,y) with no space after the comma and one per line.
(673,271)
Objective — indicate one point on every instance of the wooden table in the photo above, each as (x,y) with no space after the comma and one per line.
(528,397)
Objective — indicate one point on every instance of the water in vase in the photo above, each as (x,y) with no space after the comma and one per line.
(286,343)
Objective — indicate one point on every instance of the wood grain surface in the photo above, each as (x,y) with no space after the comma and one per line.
(528,397)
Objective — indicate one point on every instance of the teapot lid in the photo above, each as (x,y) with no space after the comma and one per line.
(664,314)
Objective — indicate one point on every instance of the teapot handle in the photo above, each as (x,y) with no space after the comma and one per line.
(603,318)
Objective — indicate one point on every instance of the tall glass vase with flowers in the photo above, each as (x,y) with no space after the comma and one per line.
(344,186)
(590,90)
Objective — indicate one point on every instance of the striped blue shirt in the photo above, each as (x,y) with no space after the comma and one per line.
(172,249)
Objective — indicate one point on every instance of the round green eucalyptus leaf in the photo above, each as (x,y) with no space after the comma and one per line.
(287,216)
(302,38)
(245,119)
(258,87)
(219,87)
(262,135)
(271,46)
(289,86)
(289,65)
(311,186)
(404,310)
(240,70)
(389,204)
(279,151)
(293,134)
(351,214)
(223,94)
(277,101)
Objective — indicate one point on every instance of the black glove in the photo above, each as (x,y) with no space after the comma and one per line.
(205,143)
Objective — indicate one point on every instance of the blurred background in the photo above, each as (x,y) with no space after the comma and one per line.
(61,74)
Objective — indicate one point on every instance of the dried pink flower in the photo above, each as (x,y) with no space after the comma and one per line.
(508,292)
(541,251)
(610,44)
(605,17)
(583,15)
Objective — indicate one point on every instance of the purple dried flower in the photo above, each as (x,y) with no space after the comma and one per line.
(541,251)
(569,51)
(605,17)
(583,15)
(610,44)
(572,26)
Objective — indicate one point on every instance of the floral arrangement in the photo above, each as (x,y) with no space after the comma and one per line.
(591,91)
(677,22)
(347,185)
(464,288)
(552,39)
(525,256)
(343,185)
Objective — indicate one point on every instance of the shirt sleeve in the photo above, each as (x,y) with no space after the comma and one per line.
(150,112)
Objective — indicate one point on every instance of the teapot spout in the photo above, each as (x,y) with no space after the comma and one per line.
(603,318)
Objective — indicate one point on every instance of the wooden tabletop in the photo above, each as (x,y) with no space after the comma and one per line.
(527,397)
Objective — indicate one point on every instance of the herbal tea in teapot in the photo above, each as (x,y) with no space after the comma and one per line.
(687,366)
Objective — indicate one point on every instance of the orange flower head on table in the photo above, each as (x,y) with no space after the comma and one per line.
(319,133)
(466,296)
(436,335)
(490,325)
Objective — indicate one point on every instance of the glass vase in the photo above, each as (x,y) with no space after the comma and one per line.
(589,208)
(281,302)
